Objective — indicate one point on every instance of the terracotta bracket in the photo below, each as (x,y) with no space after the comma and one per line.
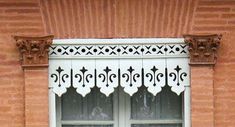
(34,50)
(203,48)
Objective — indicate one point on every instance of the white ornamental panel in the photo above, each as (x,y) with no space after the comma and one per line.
(154,75)
(154,50)
(60,75)
(107,50)
(83,50)
(107,63)
(83,76)
(176,50)
(130,75)
(130,50)
(107,75)
(60,51)
(178,74)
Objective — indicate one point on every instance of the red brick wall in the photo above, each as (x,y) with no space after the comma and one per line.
(122,18)
(36,97)
(202,97)
(218,17)
(117,18)
(16,18)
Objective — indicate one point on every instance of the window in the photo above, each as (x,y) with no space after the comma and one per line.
(119,83)
(119,109)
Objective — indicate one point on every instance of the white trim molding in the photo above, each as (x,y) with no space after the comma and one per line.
(108,63)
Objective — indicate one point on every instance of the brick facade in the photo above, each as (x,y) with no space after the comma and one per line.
(213,90)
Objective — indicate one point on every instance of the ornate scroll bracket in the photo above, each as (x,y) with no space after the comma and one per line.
(203,48)
(34,50)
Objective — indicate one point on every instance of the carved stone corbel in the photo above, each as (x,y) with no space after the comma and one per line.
(34,50)
(203,48)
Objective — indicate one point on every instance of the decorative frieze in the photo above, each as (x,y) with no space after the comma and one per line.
(118,51)
(34,50)
(108,63)
(130,74)
(203,48)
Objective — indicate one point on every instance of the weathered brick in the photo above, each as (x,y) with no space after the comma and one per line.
(16,17)
(213,90)
(23,4)
(202,105)
(214,28)
(206,16)
(33,10)
(228,16)
(213,9)
(36,98)
(210,22)
(216,3)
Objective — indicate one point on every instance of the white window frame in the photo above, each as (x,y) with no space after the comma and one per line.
(113,122)
(186,107)
(124,106)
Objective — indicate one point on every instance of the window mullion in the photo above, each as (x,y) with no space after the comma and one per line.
(58,112)
(128,110)
(122,109)
(115,109)
(186,109)
(52,108)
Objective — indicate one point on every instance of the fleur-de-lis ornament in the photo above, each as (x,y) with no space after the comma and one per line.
(130,85)
(60,81)
(130,77)
(155,82)
(178,78)
(106,77)
(83,80)
(107,81)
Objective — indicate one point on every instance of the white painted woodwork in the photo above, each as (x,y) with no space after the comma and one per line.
(130,75)
(154,75)
(83,63)
(95,55)
(178,73)
(83,78)
(59,76)
(107,75)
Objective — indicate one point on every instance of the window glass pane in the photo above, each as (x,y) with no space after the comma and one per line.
(87,126)
(152,125)
(95,106)
(165,105)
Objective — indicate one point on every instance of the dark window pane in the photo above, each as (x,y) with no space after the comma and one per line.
(165,105)
(95,106)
